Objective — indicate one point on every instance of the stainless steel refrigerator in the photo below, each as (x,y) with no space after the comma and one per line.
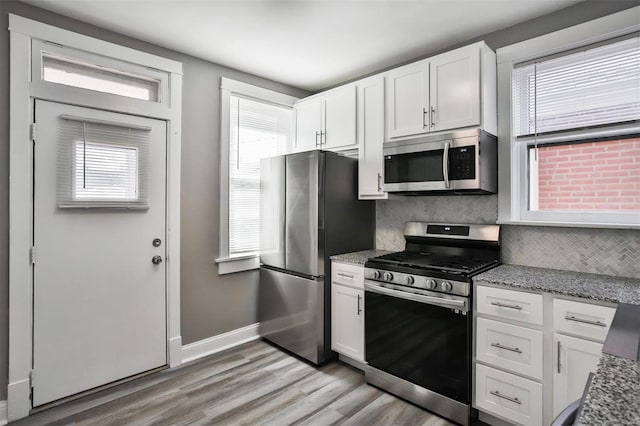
(309,210)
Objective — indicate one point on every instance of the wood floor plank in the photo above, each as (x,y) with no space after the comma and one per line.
(253,384)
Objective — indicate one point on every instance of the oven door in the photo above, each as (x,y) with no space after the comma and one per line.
(420,338)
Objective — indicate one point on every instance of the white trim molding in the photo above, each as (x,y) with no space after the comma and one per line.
(220,342)
(512,166)
(3,413)
(25,36)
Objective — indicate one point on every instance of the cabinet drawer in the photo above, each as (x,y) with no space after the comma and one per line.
(347,274)
(511,397)
(515,305)
(511,347)
(582,319)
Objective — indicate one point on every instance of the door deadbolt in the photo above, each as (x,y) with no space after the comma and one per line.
(156,260)
(156,242)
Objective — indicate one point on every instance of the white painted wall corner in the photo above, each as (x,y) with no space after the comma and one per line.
(221,342)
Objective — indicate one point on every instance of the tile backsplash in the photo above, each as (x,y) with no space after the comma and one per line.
(598,251)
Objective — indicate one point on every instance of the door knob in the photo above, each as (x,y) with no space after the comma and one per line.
(156,260)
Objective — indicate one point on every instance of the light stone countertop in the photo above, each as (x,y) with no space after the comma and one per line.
(358,257)
(614,395)
(603,288)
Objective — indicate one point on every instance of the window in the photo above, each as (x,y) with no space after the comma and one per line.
(255,123)
(258,130)
(574,152)
(102,164)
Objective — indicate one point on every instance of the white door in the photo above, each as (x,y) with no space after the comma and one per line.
(340,118)
(99,312)
(308,124)
(347,321)
(455,89)
(408,100)
(574,360)
(371,138)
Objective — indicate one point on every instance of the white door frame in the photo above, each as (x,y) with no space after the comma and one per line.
(25,87)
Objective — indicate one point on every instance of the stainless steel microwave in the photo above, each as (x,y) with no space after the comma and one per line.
(462,162)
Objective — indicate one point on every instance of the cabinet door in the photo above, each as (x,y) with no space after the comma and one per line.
(455,89)
(339,127)
(574,359)
(308,124)
(347,321)
(371,138)
(408,100)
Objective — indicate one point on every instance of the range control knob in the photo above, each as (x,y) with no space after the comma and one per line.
(446,286)
(376,275)
(431,284)
(410,280)
(388,276)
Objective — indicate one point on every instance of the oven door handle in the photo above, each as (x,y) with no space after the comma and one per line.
(431,300)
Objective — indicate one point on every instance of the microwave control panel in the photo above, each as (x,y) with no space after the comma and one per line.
(462,163)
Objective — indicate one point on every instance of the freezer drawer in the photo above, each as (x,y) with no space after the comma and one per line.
(291,313)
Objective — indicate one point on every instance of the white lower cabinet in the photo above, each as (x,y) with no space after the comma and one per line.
(347,313)
(573,361)
(509,396)
(534,352)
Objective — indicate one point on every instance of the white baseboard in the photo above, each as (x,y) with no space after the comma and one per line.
(218,343)
(3,413)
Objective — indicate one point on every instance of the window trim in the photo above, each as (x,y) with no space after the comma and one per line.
(512,196)
(247,261)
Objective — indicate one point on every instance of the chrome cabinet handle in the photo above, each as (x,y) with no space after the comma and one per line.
(432,115)
(558,356)
(379,182)
(359,309)
(584,321)
(340,274)
(323,138)
(445,164)
(504,305)
(506,348)
(508,398)
(317,133)
(424,116)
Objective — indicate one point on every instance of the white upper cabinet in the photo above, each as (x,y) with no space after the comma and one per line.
(327,121)
(308,124)
(371,138)
(408,100)
(455,90)
(340,118)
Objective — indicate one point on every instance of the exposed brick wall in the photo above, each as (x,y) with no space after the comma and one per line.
(590,176)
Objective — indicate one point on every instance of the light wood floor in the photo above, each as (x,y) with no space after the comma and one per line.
(253,384)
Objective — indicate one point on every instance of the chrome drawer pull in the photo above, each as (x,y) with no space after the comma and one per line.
(503,305)
(576,319)
(508,398)
(340,274)
(506,348)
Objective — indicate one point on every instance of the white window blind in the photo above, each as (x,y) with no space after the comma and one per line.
(102,165)
(257,130)
(592,87)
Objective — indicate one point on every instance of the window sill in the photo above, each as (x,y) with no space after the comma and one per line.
(230,265)
(569,224)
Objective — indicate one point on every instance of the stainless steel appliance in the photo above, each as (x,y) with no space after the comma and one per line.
(461,162)
(309,211)
(418,323)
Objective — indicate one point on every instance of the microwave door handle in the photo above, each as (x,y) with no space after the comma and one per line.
(445,164)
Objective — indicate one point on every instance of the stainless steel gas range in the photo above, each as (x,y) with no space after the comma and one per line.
(418,324)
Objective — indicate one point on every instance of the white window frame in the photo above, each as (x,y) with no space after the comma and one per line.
(229,264)
(25,37)
(512,172)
